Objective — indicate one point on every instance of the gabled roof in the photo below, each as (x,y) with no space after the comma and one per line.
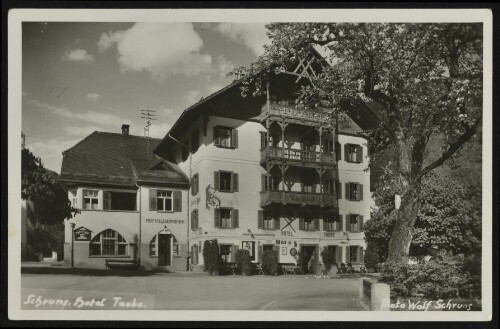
(117,159)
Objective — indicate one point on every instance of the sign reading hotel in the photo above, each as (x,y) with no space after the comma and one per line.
(164,221)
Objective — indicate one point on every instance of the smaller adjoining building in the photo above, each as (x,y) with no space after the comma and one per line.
(133,204)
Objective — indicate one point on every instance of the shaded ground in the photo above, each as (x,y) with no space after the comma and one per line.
(187,291)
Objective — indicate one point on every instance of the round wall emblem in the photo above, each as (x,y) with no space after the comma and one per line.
(293,251)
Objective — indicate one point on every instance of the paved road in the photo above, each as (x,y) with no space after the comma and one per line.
(170,291)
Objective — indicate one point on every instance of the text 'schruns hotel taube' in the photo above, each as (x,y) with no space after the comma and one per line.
(262,173)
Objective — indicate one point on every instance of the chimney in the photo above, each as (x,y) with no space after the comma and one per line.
(125,129)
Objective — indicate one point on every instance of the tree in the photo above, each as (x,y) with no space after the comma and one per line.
(427,77)
(43,188)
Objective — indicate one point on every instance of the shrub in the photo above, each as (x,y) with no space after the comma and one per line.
(270,262)
(304,258)
(244,261)
(430,280)
(211,257)
(372,255)
(329,258)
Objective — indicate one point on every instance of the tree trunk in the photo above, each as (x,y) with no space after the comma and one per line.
(406,215)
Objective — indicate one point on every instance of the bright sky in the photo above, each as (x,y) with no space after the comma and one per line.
(82,77)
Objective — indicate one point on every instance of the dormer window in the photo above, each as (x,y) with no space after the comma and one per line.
(90,199)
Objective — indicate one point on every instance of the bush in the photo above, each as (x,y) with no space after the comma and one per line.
(270,262)
(429,280)
(244,261)
(304,258)
(211,257)
(372,255)
(329,258)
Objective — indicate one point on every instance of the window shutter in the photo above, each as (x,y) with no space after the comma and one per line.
(338,254)
(360,191)
(216,138)
(338,151)
(196,220)
(347,254)
(153,199)
(260,219)
(347,191)
(234,138)
(361,223)
(197,182)
(235,216)
(359,153)
(276,223)
(360,255)
(216,217)
(341,222)
(192,220)
(106,200)
(177,201)
(276,250)
(235,182)
(191,183)
(316,224)
(346,152)
(301,224)
(338,189)
(234,250)
(216,180)
(263,182)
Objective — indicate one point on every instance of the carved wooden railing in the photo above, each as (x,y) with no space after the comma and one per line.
(299,198)
(277,152)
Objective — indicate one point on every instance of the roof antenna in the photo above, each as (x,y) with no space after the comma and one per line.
(149,115)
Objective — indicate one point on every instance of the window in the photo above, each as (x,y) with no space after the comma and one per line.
(152,247)
(176,251)
(226,218)
(225,137)
(333,223)
(164,200)
(125,201)
(225,252)
(194,220)
(195,141)
(108,243)
(353,254)
(73,198)
(308,224)
(353,153)
(195,184)
(328,146)
(90,199)
(268,221)
(354,191)
(225,181)
(308,184)
(355,223)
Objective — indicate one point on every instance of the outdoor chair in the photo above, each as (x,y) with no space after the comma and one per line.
(259,269)
(341,269)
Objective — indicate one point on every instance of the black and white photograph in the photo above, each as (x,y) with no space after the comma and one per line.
(250,164)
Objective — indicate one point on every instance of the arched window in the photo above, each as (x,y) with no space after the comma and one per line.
(152,247)
(108,243)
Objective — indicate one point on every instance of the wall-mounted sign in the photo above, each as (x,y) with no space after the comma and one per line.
(329,234)
(164,221)
(286,233)
(82,234)
(293,251)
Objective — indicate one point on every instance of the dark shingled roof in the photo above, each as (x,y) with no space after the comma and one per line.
(118,159)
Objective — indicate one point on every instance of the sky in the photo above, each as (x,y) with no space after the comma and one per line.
(81,77)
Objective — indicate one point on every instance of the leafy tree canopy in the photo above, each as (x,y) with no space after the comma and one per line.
(427,77)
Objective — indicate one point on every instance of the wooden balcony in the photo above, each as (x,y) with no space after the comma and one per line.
(298,198)
(297,113)
(297,157)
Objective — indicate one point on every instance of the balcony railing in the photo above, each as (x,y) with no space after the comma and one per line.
(298,198)
(276,152)
(297,112)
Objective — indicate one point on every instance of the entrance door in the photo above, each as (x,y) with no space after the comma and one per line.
(194,254)
(310,261)
(164,250)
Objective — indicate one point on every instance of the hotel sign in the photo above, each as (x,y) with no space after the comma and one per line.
(82,234)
